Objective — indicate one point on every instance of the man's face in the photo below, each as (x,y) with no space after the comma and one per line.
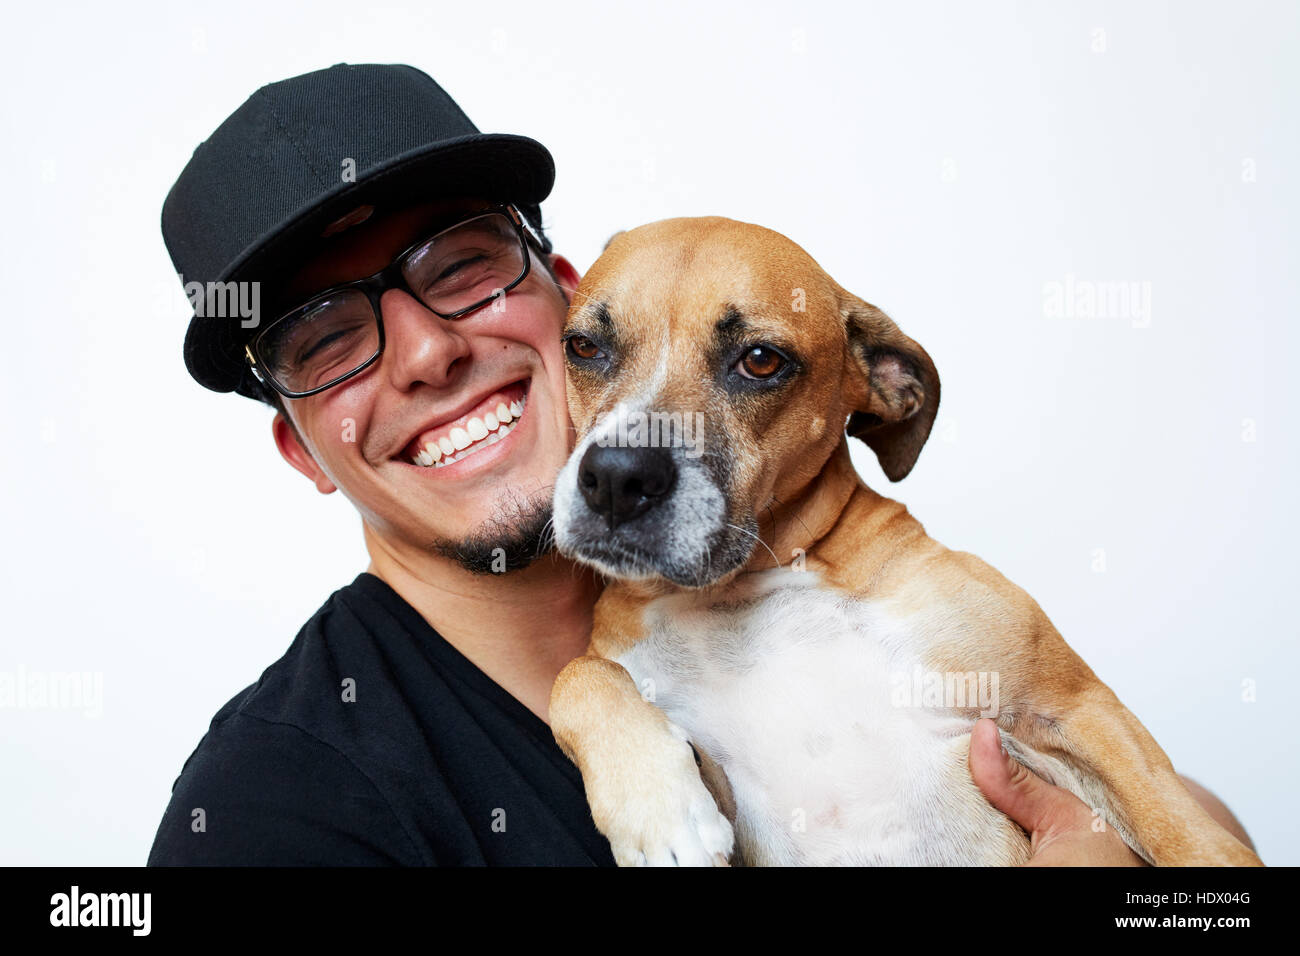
(433,375)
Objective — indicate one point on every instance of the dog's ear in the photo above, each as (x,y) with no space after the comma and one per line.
(898,388)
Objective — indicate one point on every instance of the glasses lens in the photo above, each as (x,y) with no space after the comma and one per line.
(324,340)
(469,264)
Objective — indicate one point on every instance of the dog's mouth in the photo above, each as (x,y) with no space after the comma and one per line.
(669,524)
(622,558)
(626,562)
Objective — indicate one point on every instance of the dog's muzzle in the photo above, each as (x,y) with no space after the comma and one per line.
(621,484)
(646,511)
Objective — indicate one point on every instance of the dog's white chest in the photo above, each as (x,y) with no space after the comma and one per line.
(794,691)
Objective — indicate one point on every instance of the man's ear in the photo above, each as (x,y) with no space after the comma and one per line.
(292,451)
(896,387)
(567,276)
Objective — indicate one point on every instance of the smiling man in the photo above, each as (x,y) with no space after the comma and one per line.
(406,722)
(407,332)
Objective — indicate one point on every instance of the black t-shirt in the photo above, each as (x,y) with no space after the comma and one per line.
(432,763)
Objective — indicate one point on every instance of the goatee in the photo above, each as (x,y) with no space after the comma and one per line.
(514,539)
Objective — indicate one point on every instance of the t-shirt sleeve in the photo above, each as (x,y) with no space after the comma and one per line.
(259,793)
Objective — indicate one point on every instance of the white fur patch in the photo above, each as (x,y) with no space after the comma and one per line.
(788,688)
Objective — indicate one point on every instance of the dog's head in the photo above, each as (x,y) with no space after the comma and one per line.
(712,365)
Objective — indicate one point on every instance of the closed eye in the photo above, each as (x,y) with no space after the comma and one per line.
(324,343)
(456,266)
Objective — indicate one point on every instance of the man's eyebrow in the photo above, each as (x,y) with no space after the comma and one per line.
(442,220)
(435,223)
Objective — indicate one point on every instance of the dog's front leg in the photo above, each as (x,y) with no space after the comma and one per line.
(643,784)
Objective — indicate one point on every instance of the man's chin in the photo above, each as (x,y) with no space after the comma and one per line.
(511,541)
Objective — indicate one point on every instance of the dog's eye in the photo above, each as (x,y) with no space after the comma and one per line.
(761,362)
(582,347)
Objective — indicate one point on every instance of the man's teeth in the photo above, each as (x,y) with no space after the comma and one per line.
(478,433)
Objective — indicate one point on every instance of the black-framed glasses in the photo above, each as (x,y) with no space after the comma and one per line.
(339,333)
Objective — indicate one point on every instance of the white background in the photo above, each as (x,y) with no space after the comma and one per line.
(945,161)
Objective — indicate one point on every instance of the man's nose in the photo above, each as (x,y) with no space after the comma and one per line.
(419,344)
(622,483)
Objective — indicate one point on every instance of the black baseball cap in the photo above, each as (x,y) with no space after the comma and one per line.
(301,153)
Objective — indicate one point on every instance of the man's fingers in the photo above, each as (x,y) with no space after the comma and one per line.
(1023,796)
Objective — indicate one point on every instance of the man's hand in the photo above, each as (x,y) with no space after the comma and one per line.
(1059,823)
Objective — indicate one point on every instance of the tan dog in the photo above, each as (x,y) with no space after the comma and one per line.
(801,633)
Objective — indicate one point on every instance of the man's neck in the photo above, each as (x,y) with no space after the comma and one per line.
(519,628)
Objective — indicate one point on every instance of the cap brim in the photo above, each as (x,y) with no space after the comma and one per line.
(492,166)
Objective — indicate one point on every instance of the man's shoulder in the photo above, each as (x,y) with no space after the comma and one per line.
(336,647)
(256,791)
(373,740)
(361,675)
(281,765)
(301,699)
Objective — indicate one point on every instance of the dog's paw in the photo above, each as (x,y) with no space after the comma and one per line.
(656,810)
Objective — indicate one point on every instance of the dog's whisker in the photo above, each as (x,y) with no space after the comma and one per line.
(588,296)
(775,529)
(794,515)
(759,540)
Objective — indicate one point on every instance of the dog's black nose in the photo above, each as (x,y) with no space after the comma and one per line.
(621,483)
